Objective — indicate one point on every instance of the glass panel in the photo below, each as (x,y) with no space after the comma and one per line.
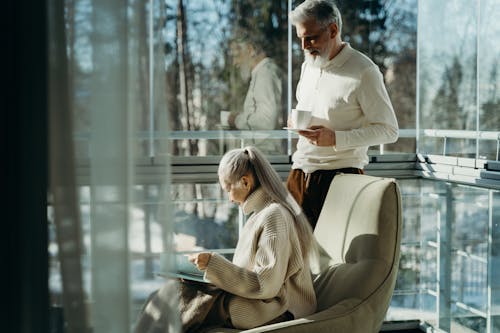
(121,220)
(203,217)
(406,299)
(447,71)
(400,61)
(493,322)
(433,209)
(470,246)
(453,261)
(149,228)
(233,58)
(489,66)
(460,147)
(489,75)
(489,150)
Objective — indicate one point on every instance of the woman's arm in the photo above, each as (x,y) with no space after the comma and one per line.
(269,264)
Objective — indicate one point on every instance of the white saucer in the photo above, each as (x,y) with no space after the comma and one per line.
(298,129)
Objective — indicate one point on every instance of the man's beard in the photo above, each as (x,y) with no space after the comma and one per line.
(317,61)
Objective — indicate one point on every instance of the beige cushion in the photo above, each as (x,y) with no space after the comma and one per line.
(359,234)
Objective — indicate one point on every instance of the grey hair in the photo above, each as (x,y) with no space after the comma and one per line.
(255,40)
(239,162)
(324,12)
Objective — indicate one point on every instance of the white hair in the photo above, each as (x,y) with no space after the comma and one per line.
(241,161)
(324,12)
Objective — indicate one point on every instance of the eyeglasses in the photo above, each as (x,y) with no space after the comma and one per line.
(315,36)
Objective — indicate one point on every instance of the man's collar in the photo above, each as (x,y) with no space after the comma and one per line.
(260,64)
(341,57)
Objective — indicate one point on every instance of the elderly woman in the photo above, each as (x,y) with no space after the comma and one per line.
(269,279)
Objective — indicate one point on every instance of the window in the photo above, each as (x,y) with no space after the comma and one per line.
(458,84)
(147,82)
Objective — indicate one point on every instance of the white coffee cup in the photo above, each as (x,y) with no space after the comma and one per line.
(301,118)
(224,118)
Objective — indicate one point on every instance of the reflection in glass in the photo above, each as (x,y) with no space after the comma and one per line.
(203,218)
(458,74)
(205,59)
(489,67)
(447,69)
(464,216)
(262,106)
(470,244)
(494,262)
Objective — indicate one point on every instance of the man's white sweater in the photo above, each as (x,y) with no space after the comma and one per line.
(268,274)
(348,96)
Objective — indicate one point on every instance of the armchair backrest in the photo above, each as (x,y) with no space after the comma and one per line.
(359,235)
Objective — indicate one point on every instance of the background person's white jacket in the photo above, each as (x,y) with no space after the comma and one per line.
(262,106)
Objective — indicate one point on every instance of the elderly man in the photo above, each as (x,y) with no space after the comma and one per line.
(350,107)
(263,102)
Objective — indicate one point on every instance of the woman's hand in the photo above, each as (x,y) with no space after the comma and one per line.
(319,136)
(200,260)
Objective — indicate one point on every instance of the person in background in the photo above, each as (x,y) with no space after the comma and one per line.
(262,107)
(269,278)
(350,106)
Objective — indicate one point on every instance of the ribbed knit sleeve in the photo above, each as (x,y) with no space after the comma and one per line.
(381,125)
(258,272)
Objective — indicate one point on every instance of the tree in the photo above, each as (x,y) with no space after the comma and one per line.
(489,115)
(364,25)
(447,99)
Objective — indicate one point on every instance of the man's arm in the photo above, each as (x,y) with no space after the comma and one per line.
(382,126)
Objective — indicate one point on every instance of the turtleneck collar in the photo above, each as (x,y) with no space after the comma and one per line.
(257,200)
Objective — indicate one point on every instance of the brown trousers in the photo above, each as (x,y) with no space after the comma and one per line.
(310,189)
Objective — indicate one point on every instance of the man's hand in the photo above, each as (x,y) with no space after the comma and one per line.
(319,136)
(200,259)
(231,120)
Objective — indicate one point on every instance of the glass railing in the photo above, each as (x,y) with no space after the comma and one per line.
(450,247)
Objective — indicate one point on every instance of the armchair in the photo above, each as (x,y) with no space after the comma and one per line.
(359,236)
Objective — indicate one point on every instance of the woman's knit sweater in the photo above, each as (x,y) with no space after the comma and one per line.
(268,274)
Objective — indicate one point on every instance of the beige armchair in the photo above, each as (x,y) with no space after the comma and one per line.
(359,235)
